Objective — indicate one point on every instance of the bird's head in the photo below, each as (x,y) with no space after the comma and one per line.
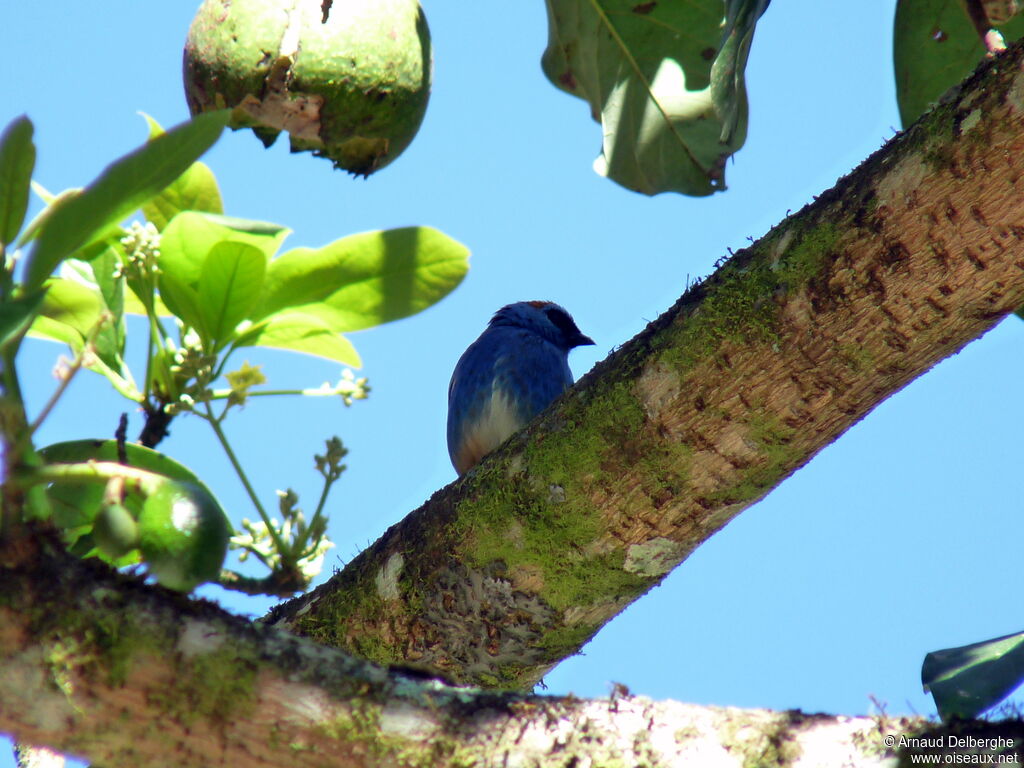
(546,319)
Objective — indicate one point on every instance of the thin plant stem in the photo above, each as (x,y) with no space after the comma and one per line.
(215,424)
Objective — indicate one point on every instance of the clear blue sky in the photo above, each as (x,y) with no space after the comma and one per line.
(901,538)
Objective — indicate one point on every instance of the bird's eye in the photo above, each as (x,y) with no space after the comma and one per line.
(561,320)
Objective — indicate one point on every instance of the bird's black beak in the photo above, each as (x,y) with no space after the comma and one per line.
(582,341)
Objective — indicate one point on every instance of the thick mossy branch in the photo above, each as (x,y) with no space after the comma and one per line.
(99,665)
(506,572)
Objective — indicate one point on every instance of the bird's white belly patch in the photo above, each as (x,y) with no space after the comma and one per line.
(497,422)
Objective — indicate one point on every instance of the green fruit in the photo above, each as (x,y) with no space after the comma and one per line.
(115,531)
(353,88)
(183,535)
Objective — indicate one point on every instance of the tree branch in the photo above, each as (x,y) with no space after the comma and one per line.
(511,569)
(97,664)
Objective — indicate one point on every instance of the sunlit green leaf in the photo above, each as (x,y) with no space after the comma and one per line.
(122,188)
(301,333)
(645,69)
(935,46)
(190,236)
(230,286)
(968,680)
(72,304)
(17,159)
(195,190)
(182,299)
(366,279)
(76,305)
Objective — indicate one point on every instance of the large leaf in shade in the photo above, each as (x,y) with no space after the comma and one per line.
(968,680)
(123,187)
(935,46)
(229,287)
(195,190)
(17,159)
(645,68)
(300,332)
(366,279)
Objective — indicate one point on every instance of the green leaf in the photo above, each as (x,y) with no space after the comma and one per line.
(366,279)
(72,304)
(968,680)
(645,69)
(17,159)
(229,287)
(182,299)
(195,190)
(53,203)
(191,235)
(15,314)
(935,46)
(300,333)
(70,311)
(122,188)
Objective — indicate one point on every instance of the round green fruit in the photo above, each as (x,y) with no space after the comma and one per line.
(353,87)
(183,535)
(115,531)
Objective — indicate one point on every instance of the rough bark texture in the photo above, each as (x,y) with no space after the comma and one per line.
(97,664)
(503,574)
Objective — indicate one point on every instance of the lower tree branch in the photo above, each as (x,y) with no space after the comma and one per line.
(99,665)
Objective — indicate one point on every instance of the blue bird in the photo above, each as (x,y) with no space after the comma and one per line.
(517,367)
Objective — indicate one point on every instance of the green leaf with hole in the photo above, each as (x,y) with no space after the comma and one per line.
(645,69)
(195,190)
(966,681)
(123,187)
(935,46)
(229,287)
(17,159)
(366,279)
(299,332)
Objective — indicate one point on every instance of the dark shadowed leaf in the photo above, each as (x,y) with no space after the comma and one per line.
(16,314)
(968,680)
(122,188)
(366,279)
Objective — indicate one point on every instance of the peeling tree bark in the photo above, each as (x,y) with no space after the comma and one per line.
(511,569)
(506,572)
